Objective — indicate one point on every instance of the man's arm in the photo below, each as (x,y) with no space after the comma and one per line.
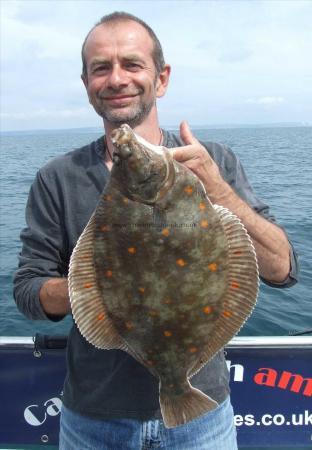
(54,297)
(40,286)
(271,243)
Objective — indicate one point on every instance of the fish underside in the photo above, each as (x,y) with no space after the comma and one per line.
(161,273)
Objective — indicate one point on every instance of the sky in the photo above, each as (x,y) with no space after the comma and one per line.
(233,62)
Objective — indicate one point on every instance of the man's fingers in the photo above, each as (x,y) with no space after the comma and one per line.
(186,134)
(182,154)
(192,147)
(187,152)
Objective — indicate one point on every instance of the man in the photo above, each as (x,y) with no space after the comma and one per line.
(111,401)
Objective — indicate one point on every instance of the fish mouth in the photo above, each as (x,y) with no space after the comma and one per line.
(122,138)
(146,177)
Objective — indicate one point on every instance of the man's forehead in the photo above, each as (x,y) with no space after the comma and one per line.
(126,34)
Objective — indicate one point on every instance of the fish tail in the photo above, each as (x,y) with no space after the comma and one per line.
(179,409)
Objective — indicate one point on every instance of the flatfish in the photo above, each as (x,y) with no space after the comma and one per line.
(161,273)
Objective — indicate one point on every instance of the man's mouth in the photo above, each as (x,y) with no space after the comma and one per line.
(119,99)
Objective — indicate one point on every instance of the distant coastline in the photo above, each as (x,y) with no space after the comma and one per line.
(229,126)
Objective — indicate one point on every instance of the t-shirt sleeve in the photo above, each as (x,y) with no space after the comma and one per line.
(234,174)
(43,247)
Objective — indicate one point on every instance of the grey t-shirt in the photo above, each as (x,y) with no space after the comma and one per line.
(99,383)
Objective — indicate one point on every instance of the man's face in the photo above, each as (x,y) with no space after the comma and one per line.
(121,77)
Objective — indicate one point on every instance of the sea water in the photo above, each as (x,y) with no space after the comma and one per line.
(278,163)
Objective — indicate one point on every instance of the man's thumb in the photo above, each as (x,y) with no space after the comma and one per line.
(186,134)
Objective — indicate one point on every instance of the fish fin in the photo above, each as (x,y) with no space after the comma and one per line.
(87,305)
(242,289)
(179,409)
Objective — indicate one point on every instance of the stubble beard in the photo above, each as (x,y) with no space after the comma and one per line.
(133,118)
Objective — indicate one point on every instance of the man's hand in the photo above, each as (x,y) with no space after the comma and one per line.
(194,156)
(270,241)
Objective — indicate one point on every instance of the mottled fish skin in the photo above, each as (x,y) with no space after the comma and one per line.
(162,267)
(161,298)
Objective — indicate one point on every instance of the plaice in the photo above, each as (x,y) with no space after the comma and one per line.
(161,273)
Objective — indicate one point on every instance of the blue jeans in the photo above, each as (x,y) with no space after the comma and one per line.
(212,431)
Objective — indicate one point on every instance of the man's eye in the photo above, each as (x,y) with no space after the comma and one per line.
(100,69)
(132,66)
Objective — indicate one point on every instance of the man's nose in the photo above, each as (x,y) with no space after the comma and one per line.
(118,77)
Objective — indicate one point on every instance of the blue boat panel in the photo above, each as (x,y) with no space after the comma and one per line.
(30,389)
(271,394)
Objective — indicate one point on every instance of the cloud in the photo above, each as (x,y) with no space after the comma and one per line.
(241,59)
(235,54)
(224,51)
(266,100)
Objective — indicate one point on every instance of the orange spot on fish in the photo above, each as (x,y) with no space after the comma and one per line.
(125,200)
(88,285)
(226,313)
(202,206)
(131,250)
(150,362)
(168,333)
(165,232)
(207,309)
(235,285)
(129,325)
(104,228)
(101,316)
(108,197)
(193,349)
(237,252)
(167,301)
(213,267)
(188,189)
(180,262)
(204,223)
(141,289)
(109,273)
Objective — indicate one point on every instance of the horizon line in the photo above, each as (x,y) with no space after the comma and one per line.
(172,126)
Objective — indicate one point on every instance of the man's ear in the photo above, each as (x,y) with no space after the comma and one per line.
(85,80)
(163,81)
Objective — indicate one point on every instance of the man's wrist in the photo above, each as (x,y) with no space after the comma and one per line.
(54,297)
(220,193)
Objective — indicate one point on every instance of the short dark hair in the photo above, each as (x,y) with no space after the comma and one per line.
(120,16)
